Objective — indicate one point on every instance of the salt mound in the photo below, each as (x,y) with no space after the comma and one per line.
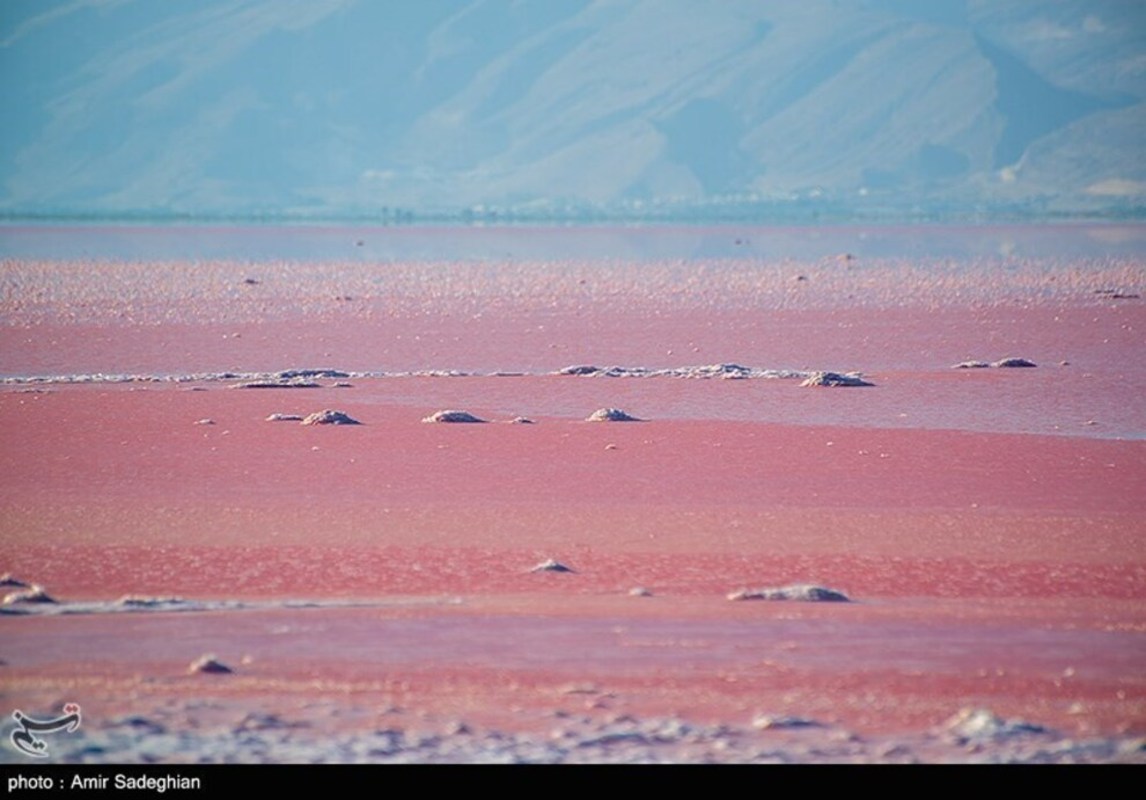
(8,579)
(329,417)
(209,664)
(550,565)
(806,592)
(284,418)
(579,369)
(1014,362)
(971,365)
(611,415)
(978,723)
(835,379)
(452,416)
(285,383)
(32,594)
(521,421)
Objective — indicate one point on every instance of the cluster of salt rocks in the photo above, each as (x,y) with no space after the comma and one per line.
(600,415)
(332,417)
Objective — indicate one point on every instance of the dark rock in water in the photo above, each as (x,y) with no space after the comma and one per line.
(330,417)
(210,665)
(250,282)
(971,365)
(835,379)
(8,579)
(579,369)
(32,594)
(804,592)
(1014,362)
(611,415)
(452,416)
(550,565)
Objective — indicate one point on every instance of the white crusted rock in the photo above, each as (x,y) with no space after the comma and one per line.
(611,415)
(330,417)
(452,416)
(835,379)
(800,591)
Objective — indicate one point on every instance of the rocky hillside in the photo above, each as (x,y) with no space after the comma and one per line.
(358,107)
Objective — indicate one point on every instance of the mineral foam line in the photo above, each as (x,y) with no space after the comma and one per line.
(306,378)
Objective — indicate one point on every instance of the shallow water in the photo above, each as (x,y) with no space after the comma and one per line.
(365,243)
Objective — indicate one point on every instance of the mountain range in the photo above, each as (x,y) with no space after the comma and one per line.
(572,108)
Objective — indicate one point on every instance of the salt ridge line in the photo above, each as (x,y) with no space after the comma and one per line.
(144,605)
(305,378)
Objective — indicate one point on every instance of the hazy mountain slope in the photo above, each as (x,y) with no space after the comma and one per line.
(348,106)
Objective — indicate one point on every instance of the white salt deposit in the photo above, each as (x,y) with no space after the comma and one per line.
(330,417)
(452,416)
(800,591)
(283,383)
(836,379)
(977,724)
(308,378)
(32,594)
(611,415)
(1014,362)
(284,418)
